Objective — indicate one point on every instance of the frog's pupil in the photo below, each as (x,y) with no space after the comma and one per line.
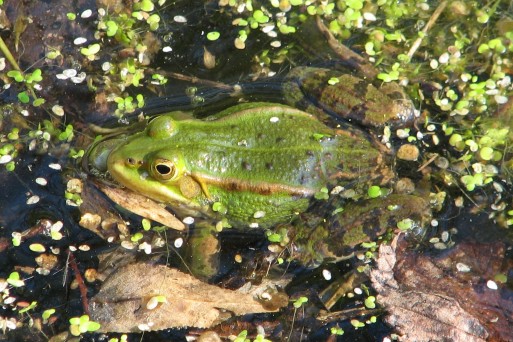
(163,169)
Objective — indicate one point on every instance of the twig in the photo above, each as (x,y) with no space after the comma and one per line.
(7,53)
(423,166)
(193,79)
(430,23)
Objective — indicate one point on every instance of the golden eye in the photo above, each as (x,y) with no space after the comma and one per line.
(163,169)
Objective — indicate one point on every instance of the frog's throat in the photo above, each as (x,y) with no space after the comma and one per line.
(261,188)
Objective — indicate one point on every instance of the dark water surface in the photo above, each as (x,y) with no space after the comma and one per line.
(18,189)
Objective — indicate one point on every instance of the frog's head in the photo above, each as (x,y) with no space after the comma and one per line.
(160,174)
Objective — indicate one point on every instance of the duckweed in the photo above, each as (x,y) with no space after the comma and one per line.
(337,331)
(357,324)
(370,302)
(15,280)
(374,191)
(82,324)
(300,302)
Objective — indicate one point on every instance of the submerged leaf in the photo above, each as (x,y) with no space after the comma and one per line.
(121,304)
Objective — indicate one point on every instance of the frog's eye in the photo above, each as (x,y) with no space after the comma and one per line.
(164,169)
(162,127)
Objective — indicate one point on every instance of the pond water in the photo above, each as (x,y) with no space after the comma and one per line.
(104,63)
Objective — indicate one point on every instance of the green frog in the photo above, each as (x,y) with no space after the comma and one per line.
(258,164)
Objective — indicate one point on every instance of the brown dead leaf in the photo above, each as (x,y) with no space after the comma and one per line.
(99,216)
(428,299)
(122,303)
(142,206)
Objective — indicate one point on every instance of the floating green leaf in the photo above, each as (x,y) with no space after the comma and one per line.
(81,325)
(14,134)
(14,280)
(28,308)
(241,337)
(153,20)
(37,247)
(38,102)
(23,97)
(47,313)
(136,237)
(322,194)
(333,81)
(146,224)
(214,35)
(374,191)
(10,166)
(337,331)
(53,54)
(354,4)
(260,17)
(357,324)
(91,50)
(34,77)
(405,224)
(274,237)
(486,153)
(145,5)
(370,302)
(300,301)
(140,100)
(112,28)
(17,75)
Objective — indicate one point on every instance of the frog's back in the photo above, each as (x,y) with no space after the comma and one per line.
(274,144)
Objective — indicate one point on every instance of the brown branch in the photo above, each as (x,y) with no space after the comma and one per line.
(430,23)
(81,285)
(192,79)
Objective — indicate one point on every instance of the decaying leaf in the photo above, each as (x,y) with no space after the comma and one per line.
(153,297)
(20,25)
(142,206)
(98,215)
(429,299)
